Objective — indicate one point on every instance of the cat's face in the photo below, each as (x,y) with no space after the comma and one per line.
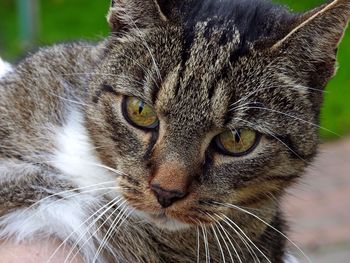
(195,116)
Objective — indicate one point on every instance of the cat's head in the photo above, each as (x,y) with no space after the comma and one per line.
(201,104)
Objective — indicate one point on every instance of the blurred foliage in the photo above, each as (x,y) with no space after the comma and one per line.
(60,20)
(65,20)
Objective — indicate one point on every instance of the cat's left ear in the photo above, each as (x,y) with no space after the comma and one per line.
(124,15)
(311,44)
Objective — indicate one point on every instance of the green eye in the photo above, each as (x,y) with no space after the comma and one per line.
(139,114)
(237,142)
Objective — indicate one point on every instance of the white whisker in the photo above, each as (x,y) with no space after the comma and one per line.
(206,245)
(219,244)
(198,245)
(46,207)
(267,224)
(80,226)
(109,232)
(94,233)
(274,136)
(296,118)
(245,235)
(228,249)
(224,240)
(230,241)
(243,239)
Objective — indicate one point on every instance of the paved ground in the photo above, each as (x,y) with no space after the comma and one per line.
(319,208)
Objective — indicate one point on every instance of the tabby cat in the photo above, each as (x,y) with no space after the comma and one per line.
(174,139)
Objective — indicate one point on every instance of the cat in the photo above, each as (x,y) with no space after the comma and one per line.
(172,140)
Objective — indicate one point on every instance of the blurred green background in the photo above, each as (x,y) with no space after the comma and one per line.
(65,20)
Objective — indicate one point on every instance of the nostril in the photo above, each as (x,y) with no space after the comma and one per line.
(167,197)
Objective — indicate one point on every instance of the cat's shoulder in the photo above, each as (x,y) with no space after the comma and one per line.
(59,58)
(63,56)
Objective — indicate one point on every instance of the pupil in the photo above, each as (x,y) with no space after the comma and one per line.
(238,137)
(141,106)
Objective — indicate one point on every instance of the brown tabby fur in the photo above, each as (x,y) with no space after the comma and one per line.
(203,73)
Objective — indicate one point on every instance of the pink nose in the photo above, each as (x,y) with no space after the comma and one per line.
(166,197)
(170,183)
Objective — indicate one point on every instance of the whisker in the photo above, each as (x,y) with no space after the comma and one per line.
(205,240)
(42,209)
(267,224)
(229,239)
(269,132)
(70,100)
(69,191)
(143,69)
(218,223)
(89,73)
(198,245)
(296,118)
(243,239)
(244,234)
(97,165)
(216,237)
(75,189)
(219,244)
(115,227)
(80,226)
(109,233)
(224,240)
(145,44)
(94,233)
(248,247)
(289,87)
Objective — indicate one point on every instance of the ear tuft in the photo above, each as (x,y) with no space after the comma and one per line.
(124,15)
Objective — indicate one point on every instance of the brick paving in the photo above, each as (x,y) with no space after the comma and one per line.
(319,207)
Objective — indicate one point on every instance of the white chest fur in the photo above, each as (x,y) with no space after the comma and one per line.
(75,155)
(290,259)
(67,218)
(4,68)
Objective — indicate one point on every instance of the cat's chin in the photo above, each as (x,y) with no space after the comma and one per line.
(162,221)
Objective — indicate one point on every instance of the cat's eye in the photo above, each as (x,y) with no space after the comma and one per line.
(237,142)
(139,114)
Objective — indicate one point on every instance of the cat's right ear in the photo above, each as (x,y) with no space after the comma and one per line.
(125,15)
(311,43)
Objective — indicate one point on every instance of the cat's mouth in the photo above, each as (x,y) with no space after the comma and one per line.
(174,218)
(161,216)
(162,220)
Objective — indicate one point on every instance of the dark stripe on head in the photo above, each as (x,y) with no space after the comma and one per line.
(189,36)
(222,75)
